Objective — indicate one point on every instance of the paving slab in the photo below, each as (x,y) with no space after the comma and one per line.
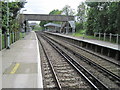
(21,67)
(19,81)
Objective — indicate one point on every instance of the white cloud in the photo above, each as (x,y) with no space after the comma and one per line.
(45,6)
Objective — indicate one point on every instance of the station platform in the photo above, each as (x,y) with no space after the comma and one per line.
(93,41)
(21,66)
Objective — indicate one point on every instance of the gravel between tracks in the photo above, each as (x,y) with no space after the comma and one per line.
(67,76)
(97,73)
(108,65)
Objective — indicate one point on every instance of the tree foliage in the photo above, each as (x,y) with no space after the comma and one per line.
(53,12)
(103,17)
(67,10)
(14,7)
(79,26)
(80,17)
(81,13)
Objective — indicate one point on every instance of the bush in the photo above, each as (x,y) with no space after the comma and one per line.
(79,26)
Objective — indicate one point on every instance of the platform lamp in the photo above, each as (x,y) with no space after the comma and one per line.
(23,16)
(8,31)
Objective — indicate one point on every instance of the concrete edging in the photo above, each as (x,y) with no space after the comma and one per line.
(40,80)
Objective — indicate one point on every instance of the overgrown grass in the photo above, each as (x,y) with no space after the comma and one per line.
(81,33)
(84,35)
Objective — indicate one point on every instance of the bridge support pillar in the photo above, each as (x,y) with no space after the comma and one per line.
(73,30)
(67,27)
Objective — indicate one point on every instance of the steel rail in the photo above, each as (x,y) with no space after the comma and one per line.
(93,81)
(117,64)
(109,73)
(51,66)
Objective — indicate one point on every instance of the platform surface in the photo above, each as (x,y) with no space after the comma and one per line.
(93,41)
(21,67)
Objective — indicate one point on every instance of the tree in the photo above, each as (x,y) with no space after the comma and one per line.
(103,17)
(80,16)
(14,7)
(81,13)
(79,26)
(42,23)
(53,12)
(67,10)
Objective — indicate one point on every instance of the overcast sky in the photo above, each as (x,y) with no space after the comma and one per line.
(45,6)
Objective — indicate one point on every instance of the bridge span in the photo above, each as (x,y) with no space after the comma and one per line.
(45,17)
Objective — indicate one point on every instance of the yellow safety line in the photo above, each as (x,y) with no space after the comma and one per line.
(15,68)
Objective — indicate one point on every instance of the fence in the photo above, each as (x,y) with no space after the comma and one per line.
(13,37)
(108,37)
(0,41)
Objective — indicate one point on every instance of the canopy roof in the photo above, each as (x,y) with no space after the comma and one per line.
(52,24)
(72,24)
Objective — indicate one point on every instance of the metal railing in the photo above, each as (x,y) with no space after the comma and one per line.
(108,37)
(14,36)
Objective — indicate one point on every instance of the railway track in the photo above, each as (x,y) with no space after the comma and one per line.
(112,66)
(47,73)
(60,73)
(94,50)
(110,77)
(93,81)
(113,61)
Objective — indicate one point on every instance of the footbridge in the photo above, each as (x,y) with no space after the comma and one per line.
(45,17)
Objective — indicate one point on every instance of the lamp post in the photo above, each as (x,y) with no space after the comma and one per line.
(22,18)
(0,26)
(8,32)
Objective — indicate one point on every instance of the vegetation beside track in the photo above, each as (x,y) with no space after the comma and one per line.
(14,25)
(82,34)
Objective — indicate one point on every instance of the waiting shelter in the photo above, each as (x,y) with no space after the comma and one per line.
(52,27)
(68,27)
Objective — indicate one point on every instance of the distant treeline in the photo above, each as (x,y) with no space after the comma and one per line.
(103,17)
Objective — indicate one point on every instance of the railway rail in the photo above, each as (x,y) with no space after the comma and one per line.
(98,49)
(63,68)
(111,66)
(116,62)
(91,78)
(49,70)
(107,73)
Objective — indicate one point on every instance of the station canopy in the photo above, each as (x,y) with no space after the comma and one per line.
(72,24)
(52,24)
